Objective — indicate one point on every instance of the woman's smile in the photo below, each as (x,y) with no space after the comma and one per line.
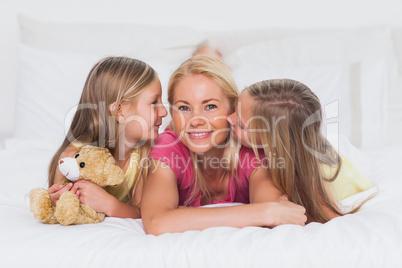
(199,134)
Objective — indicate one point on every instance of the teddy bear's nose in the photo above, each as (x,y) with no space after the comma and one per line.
(61,162)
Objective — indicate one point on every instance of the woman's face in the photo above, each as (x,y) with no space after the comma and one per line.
(241,118)
(199,113)
(143,116)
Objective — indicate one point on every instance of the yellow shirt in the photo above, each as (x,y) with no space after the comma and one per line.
(348,182)
(122,191)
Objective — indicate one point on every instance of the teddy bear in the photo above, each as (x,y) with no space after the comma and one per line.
(92,163)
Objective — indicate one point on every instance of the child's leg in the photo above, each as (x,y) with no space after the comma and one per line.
(206,49)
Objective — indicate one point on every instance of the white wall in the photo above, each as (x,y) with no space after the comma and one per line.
(201,14)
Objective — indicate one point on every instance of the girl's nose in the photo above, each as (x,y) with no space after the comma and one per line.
(162,111)
(230,119)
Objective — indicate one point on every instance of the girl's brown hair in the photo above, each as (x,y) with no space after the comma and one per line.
(295,118)
(111,80)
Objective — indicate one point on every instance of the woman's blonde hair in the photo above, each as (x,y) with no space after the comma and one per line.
(214,68)
(295,116)
(111,80)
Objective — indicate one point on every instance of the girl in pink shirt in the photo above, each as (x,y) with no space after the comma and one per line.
(197,161)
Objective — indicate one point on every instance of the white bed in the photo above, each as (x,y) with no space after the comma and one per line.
(355,72)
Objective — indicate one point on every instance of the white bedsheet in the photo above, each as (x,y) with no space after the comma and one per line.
(370,238)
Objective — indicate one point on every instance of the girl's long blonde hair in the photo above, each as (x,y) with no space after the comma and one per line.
(111,80)
(215,69)
(294,114)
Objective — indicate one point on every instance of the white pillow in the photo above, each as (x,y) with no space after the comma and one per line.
(353,96)
(164,48)
(358,48)
(229,41)
(374,91)
(339,47)
(330,83)
(50,84)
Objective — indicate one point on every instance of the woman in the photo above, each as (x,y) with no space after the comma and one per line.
(197,162)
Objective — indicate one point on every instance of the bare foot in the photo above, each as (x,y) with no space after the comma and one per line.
(207,50)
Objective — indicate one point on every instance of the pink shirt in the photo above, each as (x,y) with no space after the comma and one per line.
(170,150)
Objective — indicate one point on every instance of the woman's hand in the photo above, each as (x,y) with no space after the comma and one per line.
(56,190)
(282,211)
(93,195)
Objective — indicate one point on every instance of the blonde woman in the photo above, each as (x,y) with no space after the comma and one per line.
(283,118)
(120,109)
(196,162)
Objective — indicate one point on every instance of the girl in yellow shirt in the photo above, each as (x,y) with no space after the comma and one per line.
(283,118)
(120,109)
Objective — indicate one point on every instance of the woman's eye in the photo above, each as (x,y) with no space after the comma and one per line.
(183,108)
(211,106)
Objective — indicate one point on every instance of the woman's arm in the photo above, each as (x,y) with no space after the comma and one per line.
(262,187)
(160,212)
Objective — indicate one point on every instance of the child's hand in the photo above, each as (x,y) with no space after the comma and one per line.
(286,212)
(56,190)
(93,195)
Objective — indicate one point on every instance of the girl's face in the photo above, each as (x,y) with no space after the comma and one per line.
(241,118)
(142,117)
(199,113)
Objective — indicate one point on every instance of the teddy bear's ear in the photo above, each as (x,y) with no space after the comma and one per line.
(113,172)
(99,166)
